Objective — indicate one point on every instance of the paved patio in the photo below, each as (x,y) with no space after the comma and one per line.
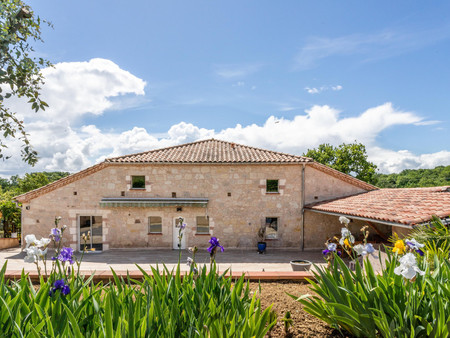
(239,261)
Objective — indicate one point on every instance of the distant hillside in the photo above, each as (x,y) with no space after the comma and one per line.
(410,178)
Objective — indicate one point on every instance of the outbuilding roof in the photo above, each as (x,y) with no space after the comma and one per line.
(406,206)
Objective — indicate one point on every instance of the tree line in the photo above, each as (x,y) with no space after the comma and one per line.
(16,185)
(352,159)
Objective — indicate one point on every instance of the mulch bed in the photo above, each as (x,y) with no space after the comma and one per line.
(304,325)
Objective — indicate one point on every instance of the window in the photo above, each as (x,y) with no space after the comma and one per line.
(154,225)
(202,225)
(138,182)
(272,186)
(271,227)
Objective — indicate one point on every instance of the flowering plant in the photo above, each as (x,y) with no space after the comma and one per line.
(62,260)
(408,267)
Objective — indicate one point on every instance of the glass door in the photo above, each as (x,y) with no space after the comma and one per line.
(91,227)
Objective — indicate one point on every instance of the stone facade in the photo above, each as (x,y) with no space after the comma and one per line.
(238,204)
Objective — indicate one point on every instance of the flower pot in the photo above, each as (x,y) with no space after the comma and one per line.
(261,247)
(301,265)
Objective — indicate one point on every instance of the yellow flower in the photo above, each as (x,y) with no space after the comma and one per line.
(347,243)
(399,247)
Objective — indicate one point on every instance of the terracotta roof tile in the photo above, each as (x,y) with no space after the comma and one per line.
(210,151)
(407,206)
(203,152)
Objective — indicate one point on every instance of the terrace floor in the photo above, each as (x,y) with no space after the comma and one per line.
(237,260)
(273,265)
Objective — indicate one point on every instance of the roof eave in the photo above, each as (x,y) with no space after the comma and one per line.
(367,219)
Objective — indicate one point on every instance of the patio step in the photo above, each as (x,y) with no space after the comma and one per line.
(254,276)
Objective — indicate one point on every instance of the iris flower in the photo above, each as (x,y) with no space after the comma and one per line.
(408,267)
(344,220)
(214,245)
(347,238)
(399,247)
(364,250)
(66,255)
(34,254)
(331,248)
(416,246)
(56,234)
(60,284)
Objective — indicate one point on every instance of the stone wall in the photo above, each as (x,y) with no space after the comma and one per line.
(6,243)
(320,186)
(238,204)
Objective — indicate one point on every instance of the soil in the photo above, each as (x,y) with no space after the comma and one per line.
(304,324)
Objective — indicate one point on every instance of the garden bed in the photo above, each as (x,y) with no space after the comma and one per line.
(304,325)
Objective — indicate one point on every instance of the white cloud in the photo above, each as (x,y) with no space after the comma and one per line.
(236,71)
(390,161)
(315,90)
(74,89)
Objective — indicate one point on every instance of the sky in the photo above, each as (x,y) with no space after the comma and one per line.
(280,75)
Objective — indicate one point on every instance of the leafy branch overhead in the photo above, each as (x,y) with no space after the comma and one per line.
(20,72)
(348,158)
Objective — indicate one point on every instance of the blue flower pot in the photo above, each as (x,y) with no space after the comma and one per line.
(261,247)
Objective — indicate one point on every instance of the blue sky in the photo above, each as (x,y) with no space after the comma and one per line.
(285,76)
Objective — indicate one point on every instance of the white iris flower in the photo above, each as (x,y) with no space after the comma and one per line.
(408,267)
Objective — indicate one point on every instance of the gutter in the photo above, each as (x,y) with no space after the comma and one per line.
(363,219)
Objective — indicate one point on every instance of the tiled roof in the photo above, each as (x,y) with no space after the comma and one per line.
(210,151)
(203,152)
(406,206)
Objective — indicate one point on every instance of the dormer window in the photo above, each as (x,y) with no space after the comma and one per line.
(137,182)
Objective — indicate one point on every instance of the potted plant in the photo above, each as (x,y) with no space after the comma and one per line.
(261,239)
(301,265)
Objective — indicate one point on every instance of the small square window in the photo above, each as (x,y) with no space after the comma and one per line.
(202,225)
(154,225)
(138,182)
(271,227)
(272,186)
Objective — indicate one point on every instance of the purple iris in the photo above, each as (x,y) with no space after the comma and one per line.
(56,233)
(214,245)
(330,248)
(59,284)
(326,252)
(415,246)
(65,255)
(183,226)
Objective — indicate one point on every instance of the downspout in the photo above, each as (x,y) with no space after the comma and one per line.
(303,208)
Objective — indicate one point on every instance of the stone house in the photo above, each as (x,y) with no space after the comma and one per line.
(219,188)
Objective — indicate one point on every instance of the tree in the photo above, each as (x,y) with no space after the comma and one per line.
(349,158)
(32,181)
(20,72)
(10,213)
